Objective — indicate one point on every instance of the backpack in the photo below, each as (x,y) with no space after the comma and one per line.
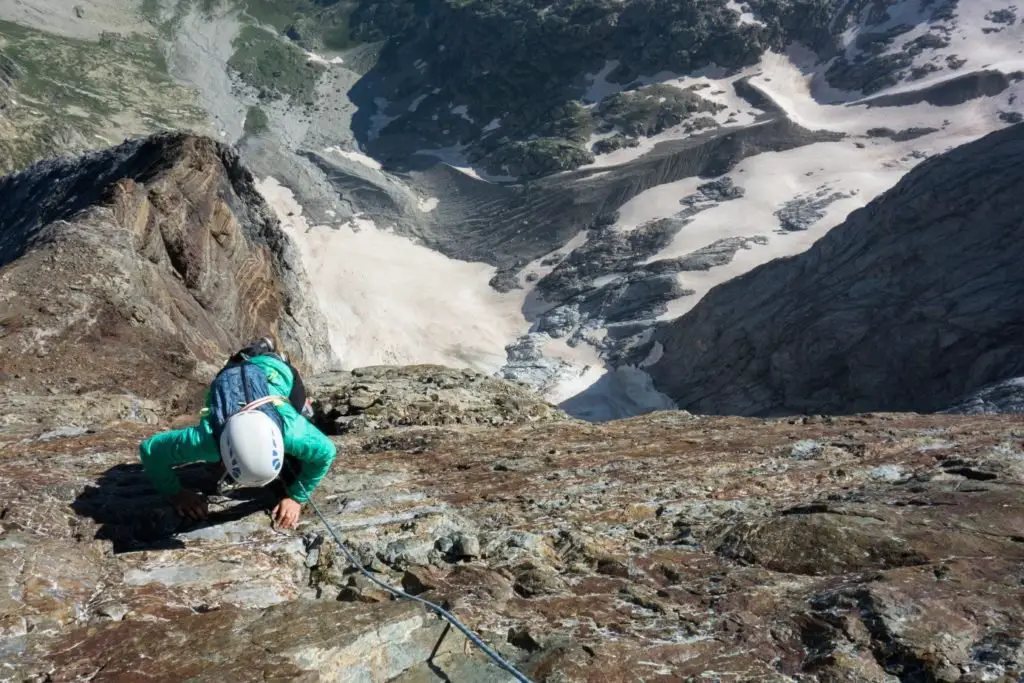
(265,347)
(236,386)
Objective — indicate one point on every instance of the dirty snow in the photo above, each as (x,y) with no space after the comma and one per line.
(745,16)
(390,301)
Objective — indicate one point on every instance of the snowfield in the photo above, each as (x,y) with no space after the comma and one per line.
(390,301)
(860,167)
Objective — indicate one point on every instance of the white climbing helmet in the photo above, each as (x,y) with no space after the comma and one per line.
(252,448)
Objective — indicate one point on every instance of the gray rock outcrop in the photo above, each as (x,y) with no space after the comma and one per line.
(915,301)
(375,398)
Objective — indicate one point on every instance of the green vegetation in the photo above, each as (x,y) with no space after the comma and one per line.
(274,67)
(66,95)
(256,121)
(151,10)
(651,110)
(314,25)
(536,158)
(339,36)
(614,143)
(521,61)
(280,14)
(569,121)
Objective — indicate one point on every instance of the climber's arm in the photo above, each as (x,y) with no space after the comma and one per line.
(161,452)
(311,447)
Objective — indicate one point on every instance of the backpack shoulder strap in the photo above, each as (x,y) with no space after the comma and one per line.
(245,382)
(297,396)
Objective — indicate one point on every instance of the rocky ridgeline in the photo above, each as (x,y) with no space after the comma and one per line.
(140,267)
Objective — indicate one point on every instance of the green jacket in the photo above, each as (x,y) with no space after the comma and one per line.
(161,452)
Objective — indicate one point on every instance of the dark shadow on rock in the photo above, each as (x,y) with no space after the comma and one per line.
(952,92)
(431,664)
(362,94)
(620,393)
(133,516)
(56,189)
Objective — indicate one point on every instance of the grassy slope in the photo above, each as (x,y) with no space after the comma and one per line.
(274,67)
(69,95)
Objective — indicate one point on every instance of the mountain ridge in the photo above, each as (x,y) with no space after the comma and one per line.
(906,306)
(112,240)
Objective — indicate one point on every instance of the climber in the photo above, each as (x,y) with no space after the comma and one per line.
(255,405)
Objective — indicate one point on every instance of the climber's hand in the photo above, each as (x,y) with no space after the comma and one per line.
(190,504)
(286,513)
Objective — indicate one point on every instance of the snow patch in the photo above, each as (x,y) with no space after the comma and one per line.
(769,181)
(417,102)
(746,18)
(428,204)
(454,157)
(600,88)
(541,267)
(357,157)
(463,111)
(711,84)
(379,120)
(792,90)
(312,57)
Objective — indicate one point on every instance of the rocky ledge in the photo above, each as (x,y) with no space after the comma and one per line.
(670,547)
(381,397)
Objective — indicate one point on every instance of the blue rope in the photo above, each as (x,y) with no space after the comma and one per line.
(443,613)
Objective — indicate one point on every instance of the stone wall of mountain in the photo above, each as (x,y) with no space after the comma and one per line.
(916,300)
(134,268)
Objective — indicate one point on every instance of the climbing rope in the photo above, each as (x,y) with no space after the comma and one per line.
(440,611)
